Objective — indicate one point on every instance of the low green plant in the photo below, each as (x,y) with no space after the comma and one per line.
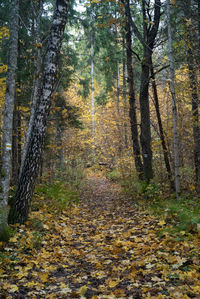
(59,195)
(37,239)
(141,189)
(183,215)
(113,175)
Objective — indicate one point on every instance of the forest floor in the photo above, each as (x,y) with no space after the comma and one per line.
(105,247)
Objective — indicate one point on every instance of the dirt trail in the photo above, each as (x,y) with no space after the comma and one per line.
(105,248)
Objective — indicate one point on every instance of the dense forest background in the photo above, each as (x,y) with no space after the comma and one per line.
(125,99)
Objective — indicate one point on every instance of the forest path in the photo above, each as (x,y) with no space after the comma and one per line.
(102,248)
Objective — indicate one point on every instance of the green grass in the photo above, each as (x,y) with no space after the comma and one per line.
(113,175)
(59,195)
(181,215)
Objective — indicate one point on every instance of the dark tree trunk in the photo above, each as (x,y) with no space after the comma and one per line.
(161,131)
(14,148)
(149,35)
(124,96)
(19,138)
(20,207)
(132,100)
(194,90)
(145,136)
(196,127)
(198,54)
(147,41)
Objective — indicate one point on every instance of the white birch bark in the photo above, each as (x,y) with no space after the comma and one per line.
(35,83)
(174,106)
(8,118)
(20,207)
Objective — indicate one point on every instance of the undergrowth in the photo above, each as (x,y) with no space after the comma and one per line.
(57,196)
(181,216)
(62,190)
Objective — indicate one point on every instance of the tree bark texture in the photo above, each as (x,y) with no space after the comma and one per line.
(20,207)
(124,96)
(132,100)
(194,90)
(92,92)
(8,117)
(36,80)
(149,35)
(14,147)
(147,40)
(174,106)
(161,130)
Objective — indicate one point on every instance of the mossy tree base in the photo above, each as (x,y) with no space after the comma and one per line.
(4,233)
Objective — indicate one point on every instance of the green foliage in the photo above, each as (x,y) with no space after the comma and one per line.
(141,189)
(85,87)
(180,215)
(37,240)
(59,195)
(114,175)
(101,99)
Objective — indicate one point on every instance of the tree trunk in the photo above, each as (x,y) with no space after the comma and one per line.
(147,40)
(194,89)
(174,108)
(19,134)
(92,93)
(14,147)
(198,54)
(196,127)
(162,136)
(118,90)
(20,207)
(36,82)
(124,96)
(149,35)
(145,136)
(8,118)
(132,100)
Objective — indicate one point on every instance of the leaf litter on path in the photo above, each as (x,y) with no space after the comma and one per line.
(102,248)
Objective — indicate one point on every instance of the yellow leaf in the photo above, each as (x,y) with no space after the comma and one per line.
(13,239)
(82,290)
(13,288)
(161,222)
(182,232)
(38,45)
(113,283)
(196,289)
(44,277)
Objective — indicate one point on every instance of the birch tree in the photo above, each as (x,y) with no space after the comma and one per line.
(21,203)
(8,118)
(36,81)
(174,107)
